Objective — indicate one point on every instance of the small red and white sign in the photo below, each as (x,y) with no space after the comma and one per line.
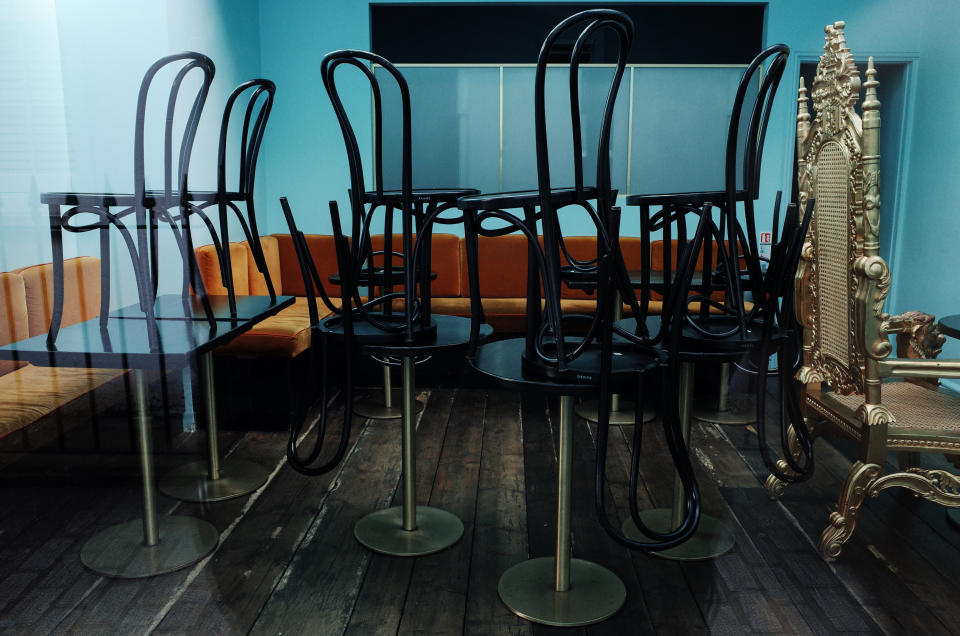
(766,237)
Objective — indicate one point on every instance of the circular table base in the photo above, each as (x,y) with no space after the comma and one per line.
(595,594)
(119,551)
(382,531)
(374,409)
(190,483)
(587,409)
(743,413)
(953,516)
(711,539)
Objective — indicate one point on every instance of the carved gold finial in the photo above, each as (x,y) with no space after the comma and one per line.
(803,114)
(870,101)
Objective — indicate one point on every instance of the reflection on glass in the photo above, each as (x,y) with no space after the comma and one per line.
(680,122)
(455,127)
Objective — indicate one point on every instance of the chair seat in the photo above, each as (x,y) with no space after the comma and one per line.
(715,197)
(420,195)
(286,334)
(919,411)
(524,199)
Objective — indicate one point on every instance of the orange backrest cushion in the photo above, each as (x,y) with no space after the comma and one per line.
(81,286)
(444,260)
(209,267)
(324,258)
(271,254)
(13,315)
(502,266)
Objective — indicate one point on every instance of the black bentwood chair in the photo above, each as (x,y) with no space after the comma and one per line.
(742,164)
(147,208)
(396,324)
(561,590)
(385,269)
(218,479)
(166,543)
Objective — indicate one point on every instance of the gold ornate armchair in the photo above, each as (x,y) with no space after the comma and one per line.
(840,288)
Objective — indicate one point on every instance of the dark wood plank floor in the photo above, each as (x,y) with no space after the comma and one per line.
(288,563)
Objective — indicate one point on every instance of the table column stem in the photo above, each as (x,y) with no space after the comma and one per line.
(564,463)
(686,404)
(151,533)
(210,408)
(724,380)
(617,315)
(409,447)
(387,395)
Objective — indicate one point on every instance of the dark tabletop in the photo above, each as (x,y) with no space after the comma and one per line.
(125,342)
(950,325)
(397,274)
(170,307)
(420,195)
(501,361)
(109,199)
(451,332)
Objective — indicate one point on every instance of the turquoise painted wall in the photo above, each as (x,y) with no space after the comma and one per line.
(94,59)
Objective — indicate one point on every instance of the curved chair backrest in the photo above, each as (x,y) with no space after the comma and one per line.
(751,137)
(839,298)
(585,25)
(259,102)
(173,183)
(590,23)
(251,135)
(416,311)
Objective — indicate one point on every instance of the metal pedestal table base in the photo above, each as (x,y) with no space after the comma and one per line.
(372,409)
(560,590)
(621,416)
(712,538)
(153,545)
(408,530)
(192,482)
(382,531)
(739,413)
(120,551)
(213,480)
(528,589)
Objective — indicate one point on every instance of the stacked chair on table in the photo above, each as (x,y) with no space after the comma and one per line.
(217,478)
(395,325)
(840,288)
(742,164)
(549,359)
(715,322)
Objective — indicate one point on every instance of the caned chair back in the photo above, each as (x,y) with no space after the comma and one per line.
(842,282)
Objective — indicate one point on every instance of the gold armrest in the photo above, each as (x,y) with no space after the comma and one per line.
(918,337)
(920,368)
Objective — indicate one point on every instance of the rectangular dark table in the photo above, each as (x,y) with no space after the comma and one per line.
(149,546)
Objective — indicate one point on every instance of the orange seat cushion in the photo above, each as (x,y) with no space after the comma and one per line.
(13,316)
(31,392)
(286,334)
(81,287)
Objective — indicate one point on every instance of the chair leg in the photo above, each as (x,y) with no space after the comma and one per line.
(844,521)
(775,486)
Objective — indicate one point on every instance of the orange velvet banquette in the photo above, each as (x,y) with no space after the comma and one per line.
(29,392)
(502,274)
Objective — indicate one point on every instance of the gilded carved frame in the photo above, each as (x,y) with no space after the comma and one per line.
(835,91)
